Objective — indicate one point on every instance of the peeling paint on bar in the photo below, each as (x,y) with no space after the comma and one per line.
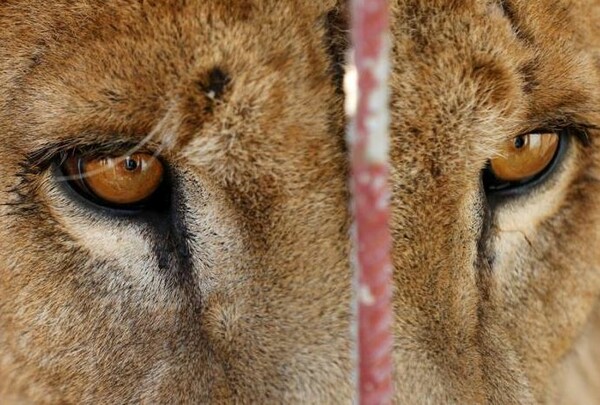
(365,296)
(368,139)
(378,121)
(351,87)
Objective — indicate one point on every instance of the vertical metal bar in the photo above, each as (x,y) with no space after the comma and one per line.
(369,144)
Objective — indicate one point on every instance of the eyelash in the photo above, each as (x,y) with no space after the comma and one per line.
(35,163)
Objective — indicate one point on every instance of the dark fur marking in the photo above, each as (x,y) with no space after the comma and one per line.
(172,252)
(414,131)
(171,244)
(336,38)
(37,57)
(214,84)
(485,254)
(527,72)
(36,60)
(511,14)
(113,96)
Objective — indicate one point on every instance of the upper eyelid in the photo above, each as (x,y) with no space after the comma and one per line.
(86,144)
(556,121)
(45,155)
(578,129)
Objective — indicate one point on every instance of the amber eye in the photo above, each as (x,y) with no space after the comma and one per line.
(523,158)
(118,181)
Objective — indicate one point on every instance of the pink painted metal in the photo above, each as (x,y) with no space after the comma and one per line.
(369,143)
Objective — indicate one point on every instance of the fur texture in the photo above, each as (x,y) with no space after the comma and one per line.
(240,292)
(491,296)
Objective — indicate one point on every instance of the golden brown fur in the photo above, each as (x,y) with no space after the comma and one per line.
(241,294)
(491,300)
(244,301)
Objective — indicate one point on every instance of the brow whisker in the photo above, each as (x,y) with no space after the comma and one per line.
(162,127)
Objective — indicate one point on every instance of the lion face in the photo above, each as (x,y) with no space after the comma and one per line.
(493,285)
(232,283)
(237,286)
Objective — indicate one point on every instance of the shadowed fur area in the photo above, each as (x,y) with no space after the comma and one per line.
(238,289)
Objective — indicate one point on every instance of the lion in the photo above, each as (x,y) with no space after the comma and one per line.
(174,202)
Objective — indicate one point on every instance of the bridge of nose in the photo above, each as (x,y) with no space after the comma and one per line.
(448,342)
(453,99)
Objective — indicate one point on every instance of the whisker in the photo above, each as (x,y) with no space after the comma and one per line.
(525,237)
(161,128)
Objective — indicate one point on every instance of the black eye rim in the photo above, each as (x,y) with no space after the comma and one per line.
(498,189)
(77,189)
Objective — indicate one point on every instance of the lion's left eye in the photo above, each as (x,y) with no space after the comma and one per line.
(523,159)
(115,181)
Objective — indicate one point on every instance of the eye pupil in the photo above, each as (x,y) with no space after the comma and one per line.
(519,142)
(130,164)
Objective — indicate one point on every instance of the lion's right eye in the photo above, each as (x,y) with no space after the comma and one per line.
(523,160)
(525,156)
(119,182)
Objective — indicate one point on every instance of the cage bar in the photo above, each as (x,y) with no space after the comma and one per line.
(368,140)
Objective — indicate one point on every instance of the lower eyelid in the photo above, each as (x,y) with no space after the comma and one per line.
(64,190)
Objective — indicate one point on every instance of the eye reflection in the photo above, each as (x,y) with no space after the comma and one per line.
(120,181)
(525,157)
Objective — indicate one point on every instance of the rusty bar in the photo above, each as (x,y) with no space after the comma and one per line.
(369,143)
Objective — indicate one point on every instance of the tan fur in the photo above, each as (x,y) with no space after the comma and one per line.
(242,295)
(487,308)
